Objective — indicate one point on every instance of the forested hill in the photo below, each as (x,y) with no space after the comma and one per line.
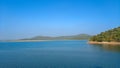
(112,35)
(73,37)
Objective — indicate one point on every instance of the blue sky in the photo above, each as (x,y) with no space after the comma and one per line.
(28,18)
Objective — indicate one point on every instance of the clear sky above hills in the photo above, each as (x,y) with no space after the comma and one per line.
(28,18)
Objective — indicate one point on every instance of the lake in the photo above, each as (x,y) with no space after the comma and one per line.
(58,54)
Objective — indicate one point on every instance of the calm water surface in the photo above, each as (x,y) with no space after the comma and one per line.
(58,54)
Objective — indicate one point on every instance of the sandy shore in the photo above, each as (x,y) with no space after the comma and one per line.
(31,40)
(110,43)
(26,40)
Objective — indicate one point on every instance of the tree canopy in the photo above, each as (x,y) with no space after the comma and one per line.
(112,35)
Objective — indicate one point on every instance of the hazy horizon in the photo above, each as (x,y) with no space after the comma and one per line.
(29,18)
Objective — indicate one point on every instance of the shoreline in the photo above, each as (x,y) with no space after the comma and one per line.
(31,40)
(25,40)
(109,43)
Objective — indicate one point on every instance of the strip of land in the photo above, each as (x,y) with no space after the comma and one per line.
(25,40)
(109,43)
(31,40)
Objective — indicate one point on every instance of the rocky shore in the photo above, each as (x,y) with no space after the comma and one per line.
(109,43)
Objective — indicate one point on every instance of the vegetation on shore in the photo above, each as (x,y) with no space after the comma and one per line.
(73,37)
(112,35)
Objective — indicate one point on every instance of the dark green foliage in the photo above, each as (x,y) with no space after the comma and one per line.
(112,35)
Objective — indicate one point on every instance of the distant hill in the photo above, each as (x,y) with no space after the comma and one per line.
(73,37)
(112,35)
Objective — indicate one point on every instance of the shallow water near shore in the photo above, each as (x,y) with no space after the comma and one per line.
(58,54)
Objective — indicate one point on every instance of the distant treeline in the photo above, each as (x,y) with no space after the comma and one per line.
(112,35)
(73,37)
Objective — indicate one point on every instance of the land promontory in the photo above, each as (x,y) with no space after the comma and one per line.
(111,36)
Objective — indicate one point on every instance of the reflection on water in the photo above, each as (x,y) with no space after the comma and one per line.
(58,54)
(115,48)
